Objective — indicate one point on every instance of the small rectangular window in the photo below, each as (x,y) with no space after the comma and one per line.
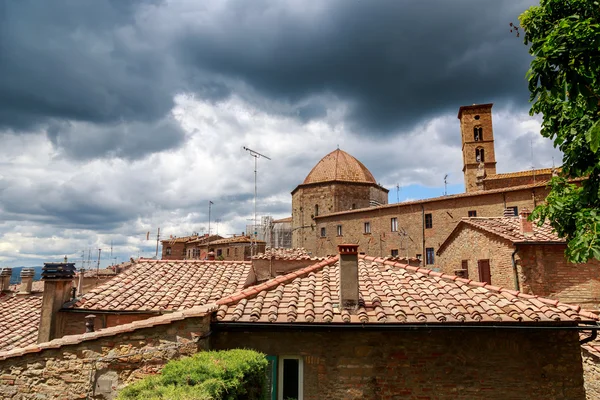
(429,256)
(290,380)
(419,257)
(168,251)
(323,233)
(428,221)
(367,227)
(464,264)
(394,224)
(219,252)
(515,210)
(472,213)
(394,252)
(339,230)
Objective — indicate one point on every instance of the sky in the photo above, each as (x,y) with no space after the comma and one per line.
(118,118)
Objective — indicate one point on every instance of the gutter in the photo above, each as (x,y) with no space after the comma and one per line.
(514,266)
(116,312)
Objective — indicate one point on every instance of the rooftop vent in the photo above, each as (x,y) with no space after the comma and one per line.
(58,271)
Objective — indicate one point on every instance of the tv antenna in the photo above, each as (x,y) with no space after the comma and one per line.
(210,203)
(445,184)
(256,156)
(217,220)
(397,193)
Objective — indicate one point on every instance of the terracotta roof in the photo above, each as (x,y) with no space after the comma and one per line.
(280,253)
(282,220)
(154,285)
(36,286)
(391,293)
(237,239)
(19,319)
(107,332)
(593,347)
(182,239)
(206,238)
(518,174)
(339,166)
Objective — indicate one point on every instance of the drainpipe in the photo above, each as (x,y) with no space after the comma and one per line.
(423,255)
(515,272)
(593,336)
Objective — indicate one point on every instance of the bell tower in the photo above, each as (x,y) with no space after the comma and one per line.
(479,159)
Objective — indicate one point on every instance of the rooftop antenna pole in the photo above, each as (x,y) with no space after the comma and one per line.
(98,265)
(111,249)
(210,203)
(157,240)
(532,164)
(445,184)
(397,193)
(256,155)
(217,220)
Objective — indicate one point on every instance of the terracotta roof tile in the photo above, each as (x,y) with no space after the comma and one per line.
(279,253)
(518,174)
(339,166)
(510,228)
(151,285)
(236,239)
(19,319)
(391,294)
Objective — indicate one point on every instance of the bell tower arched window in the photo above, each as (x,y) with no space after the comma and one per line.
(479,155)
(478,133)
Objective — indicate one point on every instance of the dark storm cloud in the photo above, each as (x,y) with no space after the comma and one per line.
(395,62)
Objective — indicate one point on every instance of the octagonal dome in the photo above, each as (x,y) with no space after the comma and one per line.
(339,166)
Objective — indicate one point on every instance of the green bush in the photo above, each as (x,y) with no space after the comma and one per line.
(209,375)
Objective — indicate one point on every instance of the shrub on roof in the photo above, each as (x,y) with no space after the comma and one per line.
(210,375)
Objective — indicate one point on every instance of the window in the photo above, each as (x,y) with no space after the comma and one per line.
(228,252)
(419,257)
(394,252)
(219,252)
(472,213)
(465,267)
(353,206)
(478,133)
(512,211)
(394,224)
(323,233)
(339,230)
(476,117)
(168,251)
(367,227)
(428,221)
(483,266)
(479,155)
(290,378)
(429,256)
(316,210)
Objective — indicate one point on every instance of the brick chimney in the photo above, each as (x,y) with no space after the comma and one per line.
(526,225)
(5,274)
(210,256)
(348,276)
(26,281)
(58,280)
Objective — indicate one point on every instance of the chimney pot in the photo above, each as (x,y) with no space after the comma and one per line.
(89,323)
(348,276)
(526,225)
(27,275)
(210,256)
(5,274)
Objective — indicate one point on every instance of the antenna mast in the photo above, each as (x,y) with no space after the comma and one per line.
(445,184)
(256,156)
(397,193)
(157,240)
(210,203)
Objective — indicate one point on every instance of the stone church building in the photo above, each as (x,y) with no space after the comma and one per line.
(341,202)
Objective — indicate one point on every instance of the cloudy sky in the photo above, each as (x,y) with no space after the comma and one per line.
(119,117)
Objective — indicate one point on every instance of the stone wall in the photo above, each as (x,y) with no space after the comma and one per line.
(95,365)
(591,374)
(446,213)
(434,364)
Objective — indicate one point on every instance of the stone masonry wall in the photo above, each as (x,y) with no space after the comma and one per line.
(381,240)
(472,245)
(591,374)
(434,364)
(94,369)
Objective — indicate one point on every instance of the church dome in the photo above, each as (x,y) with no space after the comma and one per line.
(339,166)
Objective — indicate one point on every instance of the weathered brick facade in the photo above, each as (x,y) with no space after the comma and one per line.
(591,373)
(445,213)
(425,364)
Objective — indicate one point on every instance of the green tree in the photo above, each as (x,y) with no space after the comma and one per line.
(564,39)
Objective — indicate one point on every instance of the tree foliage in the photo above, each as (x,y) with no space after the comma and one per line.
(564,82)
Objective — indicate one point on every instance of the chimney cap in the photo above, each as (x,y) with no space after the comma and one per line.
(525,212)
(348,248)
(58,271)
(27,273)
(6,271)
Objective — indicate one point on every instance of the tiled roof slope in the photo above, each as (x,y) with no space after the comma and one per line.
(154,285)
(280,253)
(519,174)
(282,220)
(182,239)
(19,320)
(510,228)
(391,293)
(339,166)
(236,239)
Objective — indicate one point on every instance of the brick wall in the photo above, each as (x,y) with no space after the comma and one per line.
(445,215)
(95,368)
(436,364)
(472,245)
(547,273)
(177,251)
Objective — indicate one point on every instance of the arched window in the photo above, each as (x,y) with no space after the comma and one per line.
(316,210)
(478,133)
(479,155)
